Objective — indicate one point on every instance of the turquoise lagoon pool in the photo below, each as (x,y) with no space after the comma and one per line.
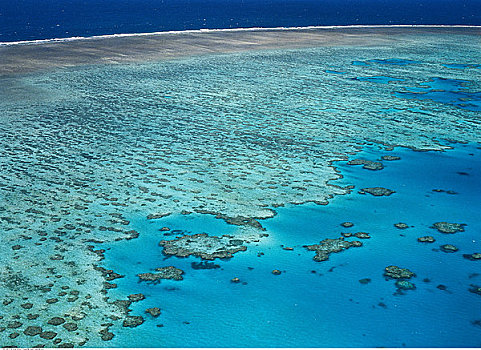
(325,304)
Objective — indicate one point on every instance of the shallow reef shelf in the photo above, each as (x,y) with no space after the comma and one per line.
(100,162)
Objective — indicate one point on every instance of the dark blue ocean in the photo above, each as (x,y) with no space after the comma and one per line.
(45,19)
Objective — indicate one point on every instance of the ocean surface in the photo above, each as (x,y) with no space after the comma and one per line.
(101,162)
(46,19)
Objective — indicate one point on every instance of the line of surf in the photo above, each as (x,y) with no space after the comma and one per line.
(196,31)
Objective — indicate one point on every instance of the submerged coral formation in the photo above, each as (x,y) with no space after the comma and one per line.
(447,227)
(449,248)
(153,311)
(405,285)
(426,239)
(390,158)
(367,164)
(377,191)
(401,275)
(133,321)
(203,246)
(362,235)
(169,272)
(474,256)
(328,246)
(397,272)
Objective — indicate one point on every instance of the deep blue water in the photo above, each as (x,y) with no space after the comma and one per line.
(323,304)
(33,19)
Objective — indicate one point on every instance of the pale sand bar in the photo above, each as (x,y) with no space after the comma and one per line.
(32,56)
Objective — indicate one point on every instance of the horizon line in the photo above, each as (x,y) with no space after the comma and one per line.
(239,29)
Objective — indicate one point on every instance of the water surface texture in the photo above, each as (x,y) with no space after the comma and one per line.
(31,20)
(101,162)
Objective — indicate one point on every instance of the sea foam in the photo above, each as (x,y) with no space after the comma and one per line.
(225,30)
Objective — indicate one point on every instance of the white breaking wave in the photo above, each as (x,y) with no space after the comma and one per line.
(193,31)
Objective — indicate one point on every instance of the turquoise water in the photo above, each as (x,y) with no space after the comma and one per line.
(89,152)
(323,304)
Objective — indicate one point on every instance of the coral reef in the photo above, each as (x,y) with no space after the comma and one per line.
(362,235)
(76,158)
(447,227)
(426,239)
(169,272)
(136,297)
(473,257)
(449,248)
(390,158)
(153,311)
(396,272)
(404,285)
(367,164)
(203,246)
(133,321)
(377,191)
(328,246)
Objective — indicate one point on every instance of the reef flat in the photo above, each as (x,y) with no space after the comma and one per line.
(23,57)
(95,155)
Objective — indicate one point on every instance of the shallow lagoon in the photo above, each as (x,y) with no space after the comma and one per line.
(323,304)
